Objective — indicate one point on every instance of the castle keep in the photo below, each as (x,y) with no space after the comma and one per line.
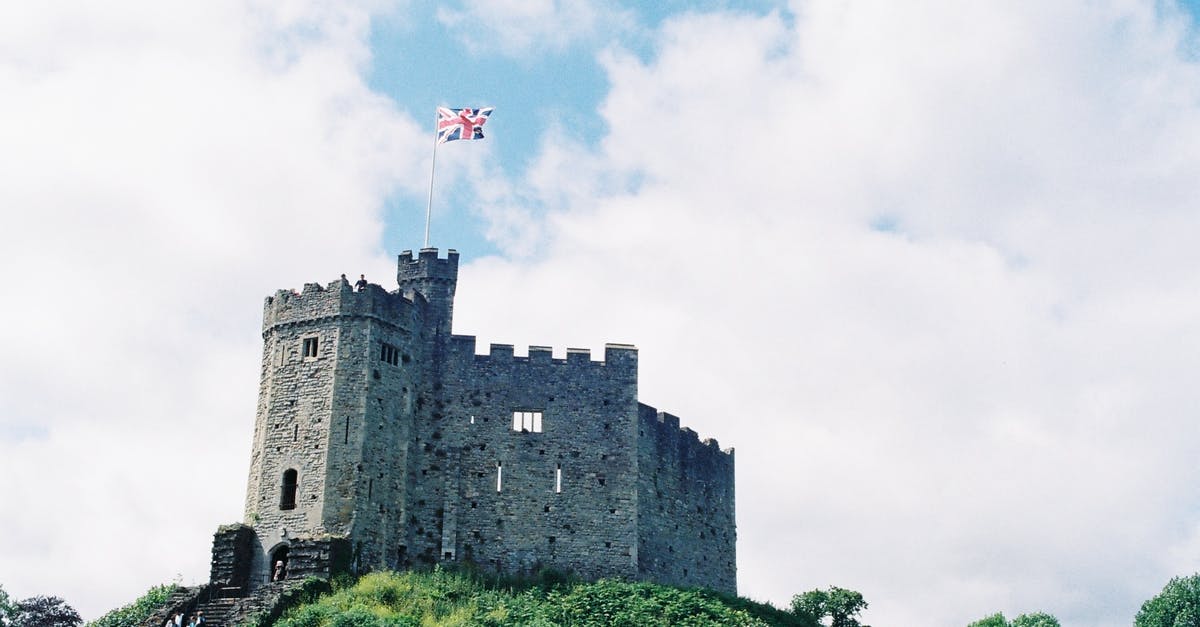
(384,441)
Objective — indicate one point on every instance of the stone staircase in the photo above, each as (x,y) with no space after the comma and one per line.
(229,607)
(220,612)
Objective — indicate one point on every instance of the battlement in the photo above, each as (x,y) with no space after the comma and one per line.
(667,425)
(336,299)
(434,279)
(427,265)
(379,427)
(615,355)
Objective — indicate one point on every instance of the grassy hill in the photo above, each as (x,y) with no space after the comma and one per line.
(448,599)
(445,599)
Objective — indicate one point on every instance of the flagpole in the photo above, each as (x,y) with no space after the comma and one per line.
(432,169)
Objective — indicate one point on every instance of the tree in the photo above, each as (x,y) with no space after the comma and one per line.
(8,611)
(995,620)
(1036,619)
(1177,604)
(44,611)
(842,606)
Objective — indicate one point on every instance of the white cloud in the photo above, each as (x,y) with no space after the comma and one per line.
(166,165)
(985,407)
(929,270)
(523,27)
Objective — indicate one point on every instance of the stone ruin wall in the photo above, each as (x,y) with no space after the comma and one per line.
(686,524)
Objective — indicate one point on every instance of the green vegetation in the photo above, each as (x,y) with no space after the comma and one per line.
(139,611)
(8,610)
(842,606)
(1036,619)
(1178,604)
(448,599)
(45,611)
(444,599)
(309,591)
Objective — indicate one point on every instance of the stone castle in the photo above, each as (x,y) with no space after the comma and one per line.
(382,440)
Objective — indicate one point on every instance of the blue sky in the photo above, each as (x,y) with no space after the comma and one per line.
(928,268)
(422,68)
(420,62)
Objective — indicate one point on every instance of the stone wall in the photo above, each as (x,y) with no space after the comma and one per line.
(584,522)
(232,557)
(432,279)
(686,523)
(318,557)
(399,434)
(335,413)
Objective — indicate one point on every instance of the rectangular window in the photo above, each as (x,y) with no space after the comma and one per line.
(558,479)
(310,347)
(499,475)
(389,354)
(528,421)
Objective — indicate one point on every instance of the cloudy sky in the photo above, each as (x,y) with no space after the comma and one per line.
(929,267)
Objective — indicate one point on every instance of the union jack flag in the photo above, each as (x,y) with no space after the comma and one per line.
(455,124)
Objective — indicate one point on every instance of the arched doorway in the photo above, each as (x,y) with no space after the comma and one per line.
(278,564)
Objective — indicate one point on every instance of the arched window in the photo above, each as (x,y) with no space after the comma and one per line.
(287,492)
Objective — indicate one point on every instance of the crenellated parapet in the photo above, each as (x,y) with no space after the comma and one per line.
(432,279)
(338,299)
(616,356)
(666,427)
(383,440)
(427,265)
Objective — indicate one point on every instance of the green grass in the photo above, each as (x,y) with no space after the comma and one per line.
(137,612)
(445,599)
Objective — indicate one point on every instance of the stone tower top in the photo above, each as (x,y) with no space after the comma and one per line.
(432,278)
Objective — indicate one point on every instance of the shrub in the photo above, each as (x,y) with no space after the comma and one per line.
(139,611)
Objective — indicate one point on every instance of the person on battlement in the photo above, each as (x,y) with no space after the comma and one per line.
(361,284)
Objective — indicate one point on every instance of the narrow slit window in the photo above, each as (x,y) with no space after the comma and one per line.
(527,421)
(287,492)
(310,347)
(558,479)
(346,436)
(499,475)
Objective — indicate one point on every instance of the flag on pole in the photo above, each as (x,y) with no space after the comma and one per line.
(455,124)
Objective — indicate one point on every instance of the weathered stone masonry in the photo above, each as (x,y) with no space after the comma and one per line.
(383,441)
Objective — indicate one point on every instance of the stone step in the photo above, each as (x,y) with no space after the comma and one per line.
(228,608)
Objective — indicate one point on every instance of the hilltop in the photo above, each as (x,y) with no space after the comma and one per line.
(448,599)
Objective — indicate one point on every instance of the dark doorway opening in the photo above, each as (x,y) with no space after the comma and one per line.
(279,564)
